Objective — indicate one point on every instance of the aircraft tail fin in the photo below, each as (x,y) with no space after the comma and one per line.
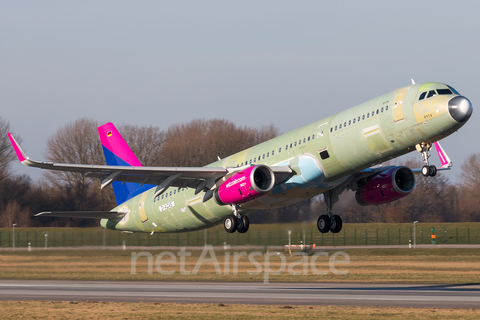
(118,153)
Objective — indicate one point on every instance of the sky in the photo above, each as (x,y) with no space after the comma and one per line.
(253,62)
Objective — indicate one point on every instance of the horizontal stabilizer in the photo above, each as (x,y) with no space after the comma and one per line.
(83,214)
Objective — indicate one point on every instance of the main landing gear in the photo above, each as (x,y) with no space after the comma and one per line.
(236,222)
(427,170)
(330,222)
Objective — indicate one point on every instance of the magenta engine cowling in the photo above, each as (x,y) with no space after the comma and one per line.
(245,185)
(388,186)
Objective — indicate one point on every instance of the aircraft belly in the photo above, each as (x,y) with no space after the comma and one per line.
(178,213)
(310,171)
(289,197)
(186,214)
(307,183)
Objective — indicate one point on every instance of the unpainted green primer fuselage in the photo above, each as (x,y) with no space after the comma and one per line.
(322,155)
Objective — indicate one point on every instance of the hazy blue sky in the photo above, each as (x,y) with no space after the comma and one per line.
(253,62)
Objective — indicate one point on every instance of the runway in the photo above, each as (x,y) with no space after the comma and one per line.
(345,294)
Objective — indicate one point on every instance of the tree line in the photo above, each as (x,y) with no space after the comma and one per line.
(196,144)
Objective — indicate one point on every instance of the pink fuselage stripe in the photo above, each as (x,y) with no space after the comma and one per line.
(15,147)
(117,145)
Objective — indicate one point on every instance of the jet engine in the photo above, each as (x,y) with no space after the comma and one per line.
(245,185)
(387,186)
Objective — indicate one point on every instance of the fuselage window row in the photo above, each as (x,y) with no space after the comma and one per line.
(350,122)
(262,157)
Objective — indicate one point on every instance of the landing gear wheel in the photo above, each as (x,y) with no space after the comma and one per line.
(230,224)
(432,171)
(323,223)
(426,171)
(245,224)
(336,224)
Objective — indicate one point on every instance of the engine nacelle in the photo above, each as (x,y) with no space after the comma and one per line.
(388,186)
(245,185)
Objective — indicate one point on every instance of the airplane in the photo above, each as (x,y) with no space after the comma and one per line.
(338,153)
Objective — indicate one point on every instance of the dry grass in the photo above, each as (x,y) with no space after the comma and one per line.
(366,265)
(117,310)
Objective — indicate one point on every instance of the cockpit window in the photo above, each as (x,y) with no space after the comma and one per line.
(444,91)
(431,93)
(422,96)
(454,91)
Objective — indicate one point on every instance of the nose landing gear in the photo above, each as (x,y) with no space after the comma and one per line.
(427,170)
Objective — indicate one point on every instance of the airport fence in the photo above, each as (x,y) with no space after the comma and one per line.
(78,237)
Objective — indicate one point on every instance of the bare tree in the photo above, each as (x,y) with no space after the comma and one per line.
(259,135)
(145,142)
(12,187)
(76,142)
(469,191)
(471,172)
(15,213)
(7,154)
(199,142)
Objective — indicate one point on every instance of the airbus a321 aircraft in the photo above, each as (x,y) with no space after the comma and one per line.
(326,157)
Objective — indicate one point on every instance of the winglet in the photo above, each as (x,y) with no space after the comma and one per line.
(20,154)
(444,159)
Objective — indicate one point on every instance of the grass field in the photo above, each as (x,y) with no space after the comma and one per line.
(265,234)
(111,310)
(366,265)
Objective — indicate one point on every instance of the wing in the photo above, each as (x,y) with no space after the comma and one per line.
(83,214)
(201,178)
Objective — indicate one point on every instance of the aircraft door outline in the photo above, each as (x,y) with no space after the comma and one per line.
(398,115)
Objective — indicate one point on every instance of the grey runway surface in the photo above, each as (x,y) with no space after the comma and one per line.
(347,294)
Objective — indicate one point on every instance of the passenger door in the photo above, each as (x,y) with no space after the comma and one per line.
(398,105)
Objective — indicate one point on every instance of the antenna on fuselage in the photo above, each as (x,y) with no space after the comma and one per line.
(413,82)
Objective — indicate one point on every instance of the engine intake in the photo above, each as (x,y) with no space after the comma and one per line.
(245,185)
(385,187)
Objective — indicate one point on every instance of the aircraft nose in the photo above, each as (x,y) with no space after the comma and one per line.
(460,108)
